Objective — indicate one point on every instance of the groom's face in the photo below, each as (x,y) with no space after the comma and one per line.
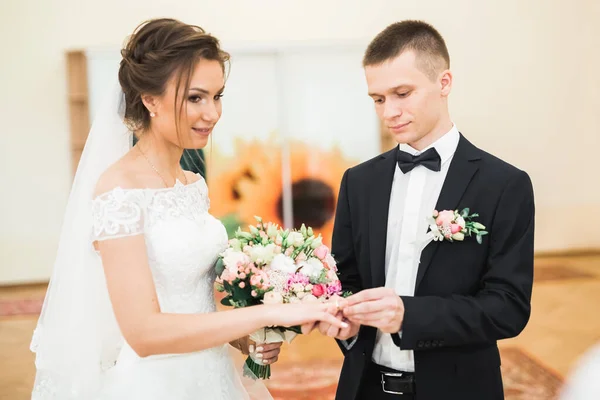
(409,100)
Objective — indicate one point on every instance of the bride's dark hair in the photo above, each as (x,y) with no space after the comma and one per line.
(157,50)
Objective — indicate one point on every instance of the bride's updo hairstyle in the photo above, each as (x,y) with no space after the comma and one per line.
(157,51)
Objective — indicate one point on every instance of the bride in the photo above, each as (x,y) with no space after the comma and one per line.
(129,312)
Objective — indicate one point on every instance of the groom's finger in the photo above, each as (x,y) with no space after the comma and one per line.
(373,316)
(365,307)
(367,295)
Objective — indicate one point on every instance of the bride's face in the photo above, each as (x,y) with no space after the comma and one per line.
(200,111)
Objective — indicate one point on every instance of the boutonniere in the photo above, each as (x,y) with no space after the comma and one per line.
(455,225)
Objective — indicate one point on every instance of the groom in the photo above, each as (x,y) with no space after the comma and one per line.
(427,315)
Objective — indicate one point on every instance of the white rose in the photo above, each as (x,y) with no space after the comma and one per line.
(461,222)
(301,295)
(273,298)
(294,300)
(283,263)
(298,287)
(312,268)
(231,258)
(263,254)
(295,239)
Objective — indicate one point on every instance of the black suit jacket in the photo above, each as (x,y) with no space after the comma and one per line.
(467,295)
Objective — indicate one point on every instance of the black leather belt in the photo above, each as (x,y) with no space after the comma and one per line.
(398,382)
(390,380)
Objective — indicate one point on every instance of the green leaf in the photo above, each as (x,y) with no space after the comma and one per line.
(296,329)
(219,266)
(479,239)
(226,301)
(465,212)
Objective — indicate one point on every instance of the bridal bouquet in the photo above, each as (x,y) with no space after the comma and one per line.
(270,265)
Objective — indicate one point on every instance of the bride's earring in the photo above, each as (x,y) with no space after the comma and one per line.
(152,114)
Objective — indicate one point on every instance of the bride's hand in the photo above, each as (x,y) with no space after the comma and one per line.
(269,353)
(304,314)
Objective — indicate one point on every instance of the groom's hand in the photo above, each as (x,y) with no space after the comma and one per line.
(380,307)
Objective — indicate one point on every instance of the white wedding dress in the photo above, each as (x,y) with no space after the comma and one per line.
(183,241)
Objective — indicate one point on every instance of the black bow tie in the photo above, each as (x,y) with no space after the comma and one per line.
(429,159)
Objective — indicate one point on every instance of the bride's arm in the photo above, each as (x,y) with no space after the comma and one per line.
(148,331)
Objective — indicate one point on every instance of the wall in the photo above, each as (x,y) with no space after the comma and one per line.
(526,89)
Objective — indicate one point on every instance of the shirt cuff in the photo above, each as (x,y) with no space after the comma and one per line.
(350,342)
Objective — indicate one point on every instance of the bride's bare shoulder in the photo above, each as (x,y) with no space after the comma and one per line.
(121,174)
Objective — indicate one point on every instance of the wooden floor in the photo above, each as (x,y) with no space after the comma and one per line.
(564,324)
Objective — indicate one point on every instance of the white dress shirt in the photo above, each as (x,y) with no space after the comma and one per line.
(413,199)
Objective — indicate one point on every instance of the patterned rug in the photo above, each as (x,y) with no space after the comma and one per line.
(524,379)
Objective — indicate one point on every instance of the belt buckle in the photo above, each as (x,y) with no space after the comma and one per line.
(390,374)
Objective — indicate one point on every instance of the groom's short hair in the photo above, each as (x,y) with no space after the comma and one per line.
(427,43)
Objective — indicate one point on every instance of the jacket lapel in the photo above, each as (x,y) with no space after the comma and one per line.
(462,169)
(380,192)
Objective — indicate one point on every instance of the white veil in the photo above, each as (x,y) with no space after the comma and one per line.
(77,336)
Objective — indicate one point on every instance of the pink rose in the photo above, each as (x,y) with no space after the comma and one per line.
(242,285)
(255,280)
(321,252)
(318,290)
(435,213)
(455,228)
(253,293)
(446,217)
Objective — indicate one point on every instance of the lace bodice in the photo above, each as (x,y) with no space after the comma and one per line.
(183,240)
